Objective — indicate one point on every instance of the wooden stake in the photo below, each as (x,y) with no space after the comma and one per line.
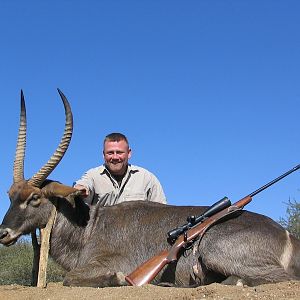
(41,253)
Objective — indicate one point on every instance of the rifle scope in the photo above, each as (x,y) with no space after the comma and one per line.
(192,220)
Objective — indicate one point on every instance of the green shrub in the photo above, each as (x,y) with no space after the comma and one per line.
(292,220)
(16,265)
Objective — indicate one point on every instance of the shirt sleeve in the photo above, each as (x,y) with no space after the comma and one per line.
(156,193)
(87,181)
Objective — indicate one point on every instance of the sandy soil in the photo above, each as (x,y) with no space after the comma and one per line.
(284,290)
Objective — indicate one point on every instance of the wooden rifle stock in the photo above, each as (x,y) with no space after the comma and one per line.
(147,271)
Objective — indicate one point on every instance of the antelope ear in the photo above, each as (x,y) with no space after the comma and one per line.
(56,189)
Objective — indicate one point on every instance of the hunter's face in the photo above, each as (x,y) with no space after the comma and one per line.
(116,155)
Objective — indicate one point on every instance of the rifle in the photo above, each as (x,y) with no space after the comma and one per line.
(184,236)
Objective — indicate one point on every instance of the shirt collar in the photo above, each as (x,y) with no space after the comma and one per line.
(130,169)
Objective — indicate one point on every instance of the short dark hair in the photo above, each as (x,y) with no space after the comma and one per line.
(115,137)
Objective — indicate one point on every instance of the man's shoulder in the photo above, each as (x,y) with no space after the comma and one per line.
(148,179)
(134,168)
(96,170)
(141,171)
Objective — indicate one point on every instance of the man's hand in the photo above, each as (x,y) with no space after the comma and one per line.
(84,190)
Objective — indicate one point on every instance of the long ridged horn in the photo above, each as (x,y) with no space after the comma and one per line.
(21,144)
(37,179)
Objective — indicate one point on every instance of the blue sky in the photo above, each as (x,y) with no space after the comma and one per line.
(207,92)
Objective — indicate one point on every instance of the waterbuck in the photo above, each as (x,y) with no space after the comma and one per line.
(98,245)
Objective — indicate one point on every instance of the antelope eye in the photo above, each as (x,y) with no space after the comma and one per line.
(35,197)
(35,200)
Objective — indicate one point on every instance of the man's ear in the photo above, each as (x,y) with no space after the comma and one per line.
(129,153)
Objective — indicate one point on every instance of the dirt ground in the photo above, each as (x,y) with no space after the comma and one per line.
(285,290)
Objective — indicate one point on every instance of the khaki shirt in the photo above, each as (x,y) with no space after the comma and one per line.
(137,184)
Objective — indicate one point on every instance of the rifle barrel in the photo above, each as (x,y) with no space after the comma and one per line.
(274,181)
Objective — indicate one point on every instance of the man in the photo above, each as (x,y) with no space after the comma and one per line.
(116,180)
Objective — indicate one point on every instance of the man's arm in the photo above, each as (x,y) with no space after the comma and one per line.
(156,192)
(85,184)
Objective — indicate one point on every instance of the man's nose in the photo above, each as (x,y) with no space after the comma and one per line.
(115,155)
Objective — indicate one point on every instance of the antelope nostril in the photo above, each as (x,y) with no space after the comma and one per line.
(3,233)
